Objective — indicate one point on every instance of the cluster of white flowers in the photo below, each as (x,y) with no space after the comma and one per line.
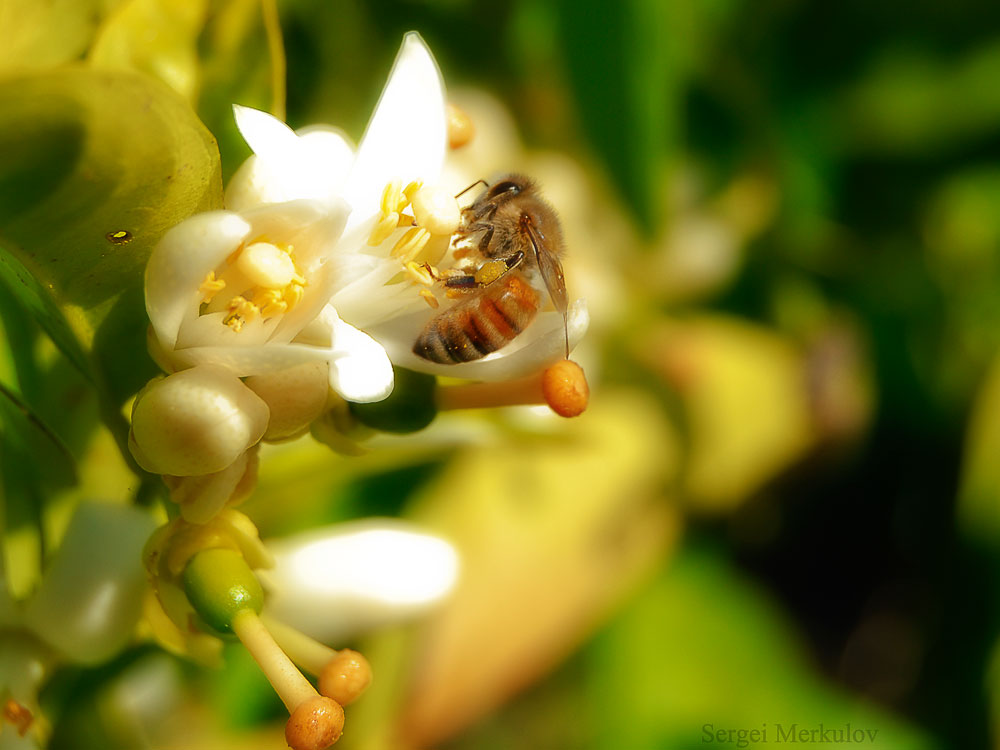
(294,294)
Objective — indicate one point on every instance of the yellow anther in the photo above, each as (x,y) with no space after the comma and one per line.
(386,225)
(490,271)
(419,273)
(274,308)
(391,197)
(409,191)
(271,302)
(241,311)
(429,298)
(287,248)
(210,287)
(292,295)
(411,243)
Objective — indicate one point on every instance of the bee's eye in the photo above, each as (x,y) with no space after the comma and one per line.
(504,187)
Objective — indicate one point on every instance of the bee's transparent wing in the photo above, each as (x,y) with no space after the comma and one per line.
(551,269)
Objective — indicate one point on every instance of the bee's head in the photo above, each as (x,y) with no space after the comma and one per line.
(508,187)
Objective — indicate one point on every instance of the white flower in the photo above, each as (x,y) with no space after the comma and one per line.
(91,596)
(236,290)
(381,289)
(334,582)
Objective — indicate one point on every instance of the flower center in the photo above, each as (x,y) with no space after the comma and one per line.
(434,218)
(268,279)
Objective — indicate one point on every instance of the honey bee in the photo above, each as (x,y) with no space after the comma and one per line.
(520,230)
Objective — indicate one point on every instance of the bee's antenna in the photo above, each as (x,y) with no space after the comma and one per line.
(566,330)
(459,195)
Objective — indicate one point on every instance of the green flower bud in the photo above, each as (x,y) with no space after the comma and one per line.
(409,408)
(219,584)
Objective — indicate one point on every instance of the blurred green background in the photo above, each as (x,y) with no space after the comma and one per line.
(783,506)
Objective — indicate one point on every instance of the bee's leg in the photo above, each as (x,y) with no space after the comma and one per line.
(484,241)
(485,275)
(486,213)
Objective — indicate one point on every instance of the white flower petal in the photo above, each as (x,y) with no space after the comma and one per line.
(180,262)
(312,227)
(334,582)
(91,595)
(542,344)
(252,185)
(311,164)
(210,330)
(407,136)
(360,370)
(265,134)
(330,156)
(251,360)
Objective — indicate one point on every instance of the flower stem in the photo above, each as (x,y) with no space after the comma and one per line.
(276,51)
(287,681)
(524,391)
(309,654)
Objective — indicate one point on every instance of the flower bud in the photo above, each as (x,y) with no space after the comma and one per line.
(194,422)
(295,397)
(201,497)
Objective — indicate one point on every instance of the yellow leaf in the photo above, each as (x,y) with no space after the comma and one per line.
(553,532)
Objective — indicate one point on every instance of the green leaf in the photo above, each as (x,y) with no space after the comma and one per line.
(25,288)
(623,80)
(42,34)
(44,455)
(98,165)
(703,647)
(124,41)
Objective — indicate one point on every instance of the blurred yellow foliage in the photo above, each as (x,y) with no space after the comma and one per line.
(554,532)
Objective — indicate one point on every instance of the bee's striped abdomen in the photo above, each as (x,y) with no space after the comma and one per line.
(480,324)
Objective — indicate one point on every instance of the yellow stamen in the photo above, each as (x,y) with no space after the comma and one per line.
(429,298)
(292,294)
(411,243)
(241,311)
(386,225)
(210,287)
(391,198)
(270,302)
(410,191)
(419,273)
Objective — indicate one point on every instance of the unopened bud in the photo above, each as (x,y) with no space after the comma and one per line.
(194,422)
(295,397)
